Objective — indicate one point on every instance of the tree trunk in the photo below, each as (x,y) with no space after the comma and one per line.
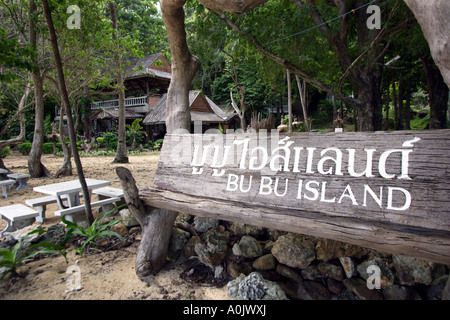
(289,92)
(157,223)
(370,115)
(121,152)
(35,167)
(156,227)
(66,103)
(432,16)
(66,167)
(303,100)
(437,93)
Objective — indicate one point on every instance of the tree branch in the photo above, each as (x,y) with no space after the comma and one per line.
(286,64)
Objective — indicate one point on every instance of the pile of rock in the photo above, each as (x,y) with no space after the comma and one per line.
(304,267)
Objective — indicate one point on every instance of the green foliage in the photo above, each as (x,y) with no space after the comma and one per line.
(6,152)
(99,228)
(158,144)
(25,148)
(14,257)
(47,148)
(14,55)
(420,123)
(100,141)
(135,133)
(110,140)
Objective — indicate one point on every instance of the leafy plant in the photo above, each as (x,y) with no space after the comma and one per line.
(158,144)
(47,148)
(97,229)
(14,257)
(5,152)
(110,140)
(25,148)
(134,130)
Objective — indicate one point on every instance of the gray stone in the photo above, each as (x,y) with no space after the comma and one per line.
(311,272)
(294,251)
(128,219)
(213,248)
(248,247)
(203,224)
(397,292)
(317,291)
(332,271)
(359,287)
(254,287)
(411,271)
(177,242)
(236,269)
(436,289)
(288,272)
(327,250)
(349,266)
(242,229)
(265,262)
(386,275)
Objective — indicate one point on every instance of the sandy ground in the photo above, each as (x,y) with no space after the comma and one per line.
(106,275)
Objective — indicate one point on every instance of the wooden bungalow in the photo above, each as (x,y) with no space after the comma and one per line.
(146,83)
(203,111)
(146,80)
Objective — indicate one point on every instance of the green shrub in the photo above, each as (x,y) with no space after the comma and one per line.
(47,148)
(100,140)
(98,229)
(158,144)
(25,148)
(110,139)
(6,152)
(112,145)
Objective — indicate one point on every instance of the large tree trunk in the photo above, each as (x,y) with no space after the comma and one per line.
(184,67)
(370,116)
(433,17)
(35,167)
(66,167)
(67,107)
(121,152)
(437,93)
(157,223)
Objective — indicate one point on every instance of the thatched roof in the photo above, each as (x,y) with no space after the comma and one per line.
(213,113)
(143,66)
(114,114)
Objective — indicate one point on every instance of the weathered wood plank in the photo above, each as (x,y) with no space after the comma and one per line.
(393,184)
(418,242)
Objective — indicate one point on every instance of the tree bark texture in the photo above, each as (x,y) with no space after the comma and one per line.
(67,107)
(156,227)
(121,152)
(35,167)
(433,17)
(437,93)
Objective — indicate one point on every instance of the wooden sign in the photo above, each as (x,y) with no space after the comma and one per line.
(384,190)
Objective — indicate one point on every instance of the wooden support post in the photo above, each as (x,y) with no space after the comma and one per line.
(152,251)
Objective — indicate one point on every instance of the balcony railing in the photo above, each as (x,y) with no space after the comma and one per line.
(112,104)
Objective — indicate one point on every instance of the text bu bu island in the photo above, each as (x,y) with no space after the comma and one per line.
(288,158)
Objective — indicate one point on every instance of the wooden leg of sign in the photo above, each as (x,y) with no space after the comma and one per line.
(156,227)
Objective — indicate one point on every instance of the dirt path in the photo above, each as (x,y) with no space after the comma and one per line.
(106,275)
